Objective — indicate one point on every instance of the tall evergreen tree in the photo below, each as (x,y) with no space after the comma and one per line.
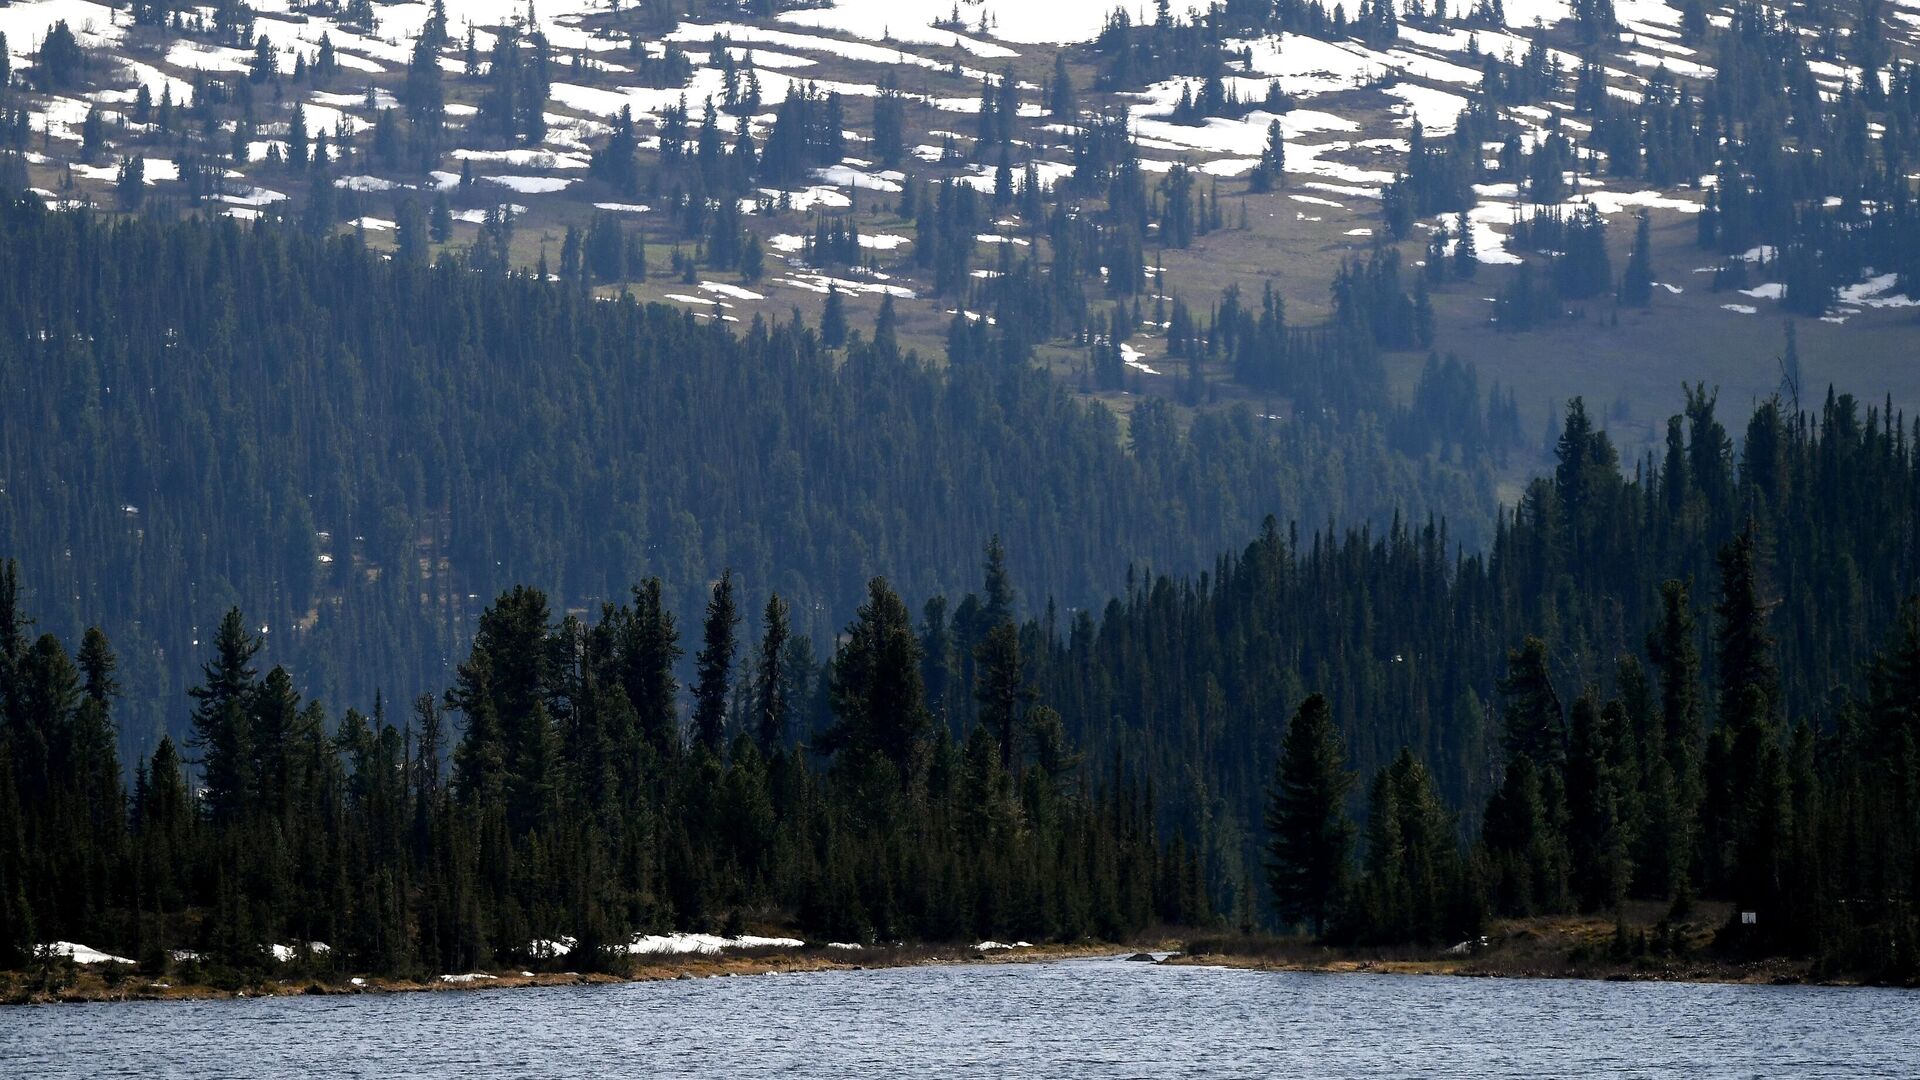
(223,705)
(1308,828)
(715,665)
(772,703)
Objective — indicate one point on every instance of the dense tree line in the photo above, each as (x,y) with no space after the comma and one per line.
(1672,787)
(580,803)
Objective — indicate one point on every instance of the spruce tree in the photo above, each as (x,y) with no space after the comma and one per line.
(1466,262)
(1308,829)
(771,701)
(715,665)
(833,318)
(1535,725)
(1001,688)
(1747,745)
(651,652)
(879,702)
(223,704)
(1636,282)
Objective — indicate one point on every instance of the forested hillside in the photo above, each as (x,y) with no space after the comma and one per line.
(362,451)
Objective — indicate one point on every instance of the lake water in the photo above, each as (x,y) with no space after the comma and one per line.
(1094,1018)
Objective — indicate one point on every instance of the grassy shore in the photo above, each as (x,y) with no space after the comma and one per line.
(1638,947)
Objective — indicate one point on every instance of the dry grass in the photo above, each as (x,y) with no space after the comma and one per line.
(1558,947)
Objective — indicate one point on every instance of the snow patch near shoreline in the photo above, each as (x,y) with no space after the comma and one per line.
(79,954)
(284,953)
(681,944)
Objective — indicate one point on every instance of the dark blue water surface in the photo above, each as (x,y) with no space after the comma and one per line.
(1093,1018)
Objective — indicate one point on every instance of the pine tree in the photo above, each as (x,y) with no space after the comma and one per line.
(223,704)
(884,328)
(1466,262)
(1061,102)
(1672,650)
(1527,856)
(1308,829)
(1001,688)
(878,699)
(1636,282)
(1599,833)
(298,153)
(651,652)
(715,666)
(440,219)
(771,701)
(1535,725)
(1747,745)
(833,318)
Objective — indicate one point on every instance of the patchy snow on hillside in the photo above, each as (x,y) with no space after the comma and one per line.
(859,51)
(883,20)
(477,214)
(25,25)
(1877,292)
(523,158)
(1437,110)
(721,288)
(532,185)
(820,283)
(156,169)
(1133,359)
(848,176)
(1048,22)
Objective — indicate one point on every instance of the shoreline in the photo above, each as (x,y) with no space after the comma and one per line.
(1562,948)
(1694,970)
(1645,945)
(90,987)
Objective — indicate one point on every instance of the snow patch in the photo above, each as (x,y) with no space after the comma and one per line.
(533,185)
(680,944)
(79,954)
(723,289)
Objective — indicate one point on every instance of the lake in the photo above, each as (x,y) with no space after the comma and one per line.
(1093,1018)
